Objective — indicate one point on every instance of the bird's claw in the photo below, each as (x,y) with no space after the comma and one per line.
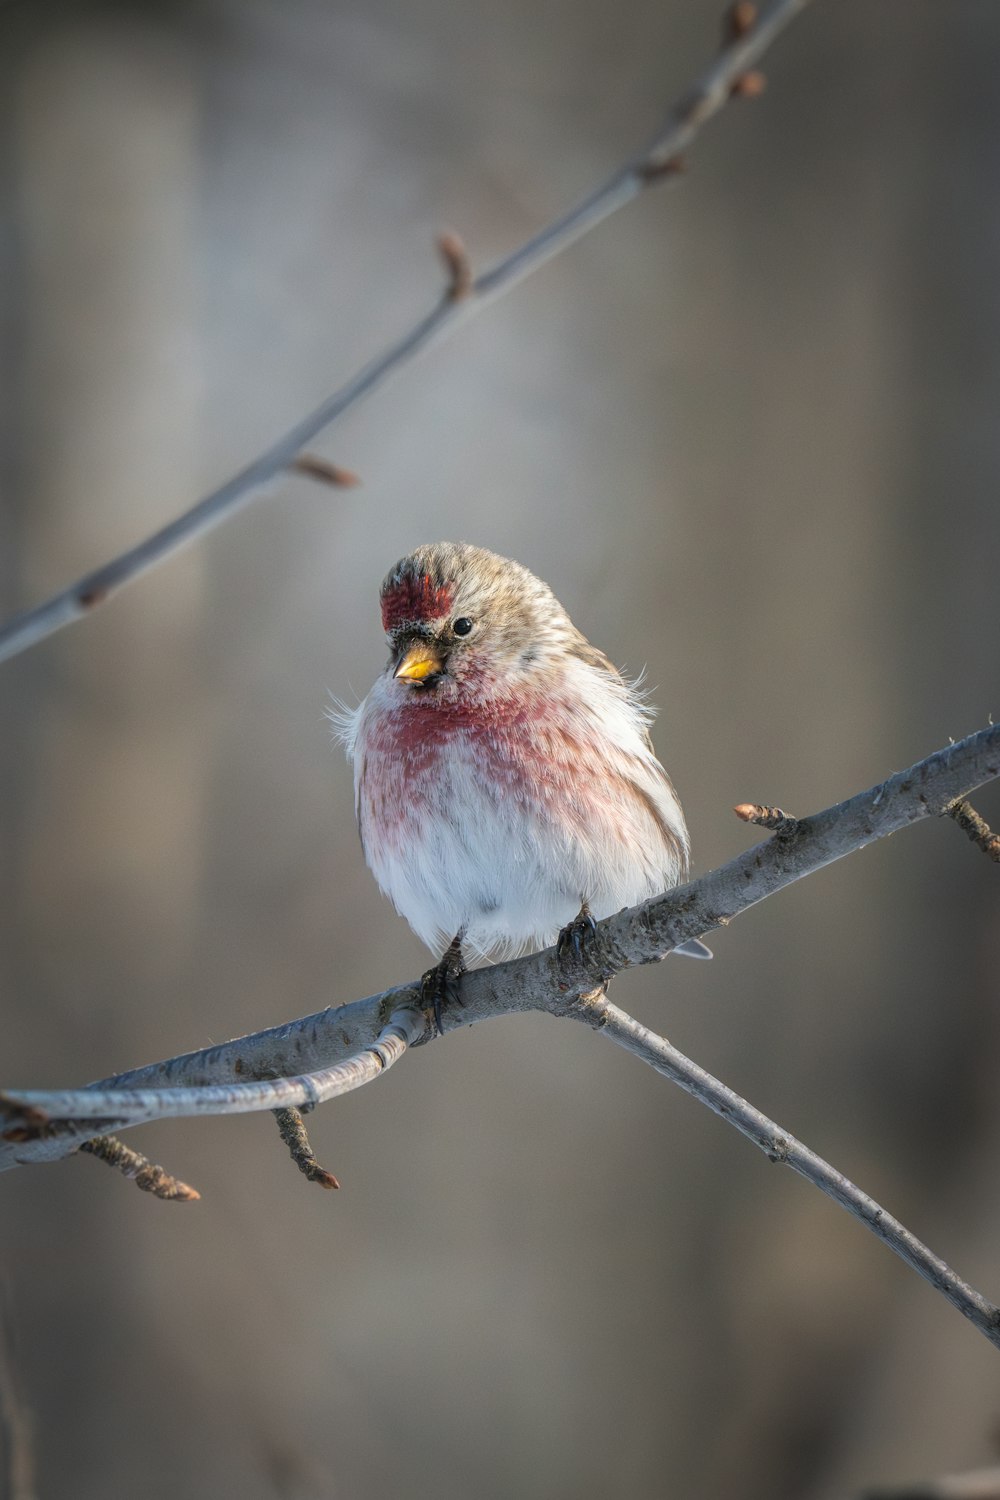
(440,985)
(576,940)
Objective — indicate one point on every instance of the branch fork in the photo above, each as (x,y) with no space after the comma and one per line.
(347,1046)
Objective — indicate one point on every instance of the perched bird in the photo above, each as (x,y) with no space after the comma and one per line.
(506,786)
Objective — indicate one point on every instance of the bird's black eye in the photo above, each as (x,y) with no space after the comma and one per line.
(462,625)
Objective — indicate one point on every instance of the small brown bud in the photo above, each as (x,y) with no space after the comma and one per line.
(456,261)
(88,598)
(764,817)
(749,85)
(314,467)
(737,21)
(659,171)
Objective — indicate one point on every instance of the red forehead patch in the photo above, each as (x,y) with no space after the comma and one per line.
(415,599)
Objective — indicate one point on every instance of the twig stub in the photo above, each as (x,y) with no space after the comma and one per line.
(749,85)
(737,21)
(91,598)
(977,828)
(292,1130)
(145,1174)
(314,467)
(654,170)
(765,817)
(457,264)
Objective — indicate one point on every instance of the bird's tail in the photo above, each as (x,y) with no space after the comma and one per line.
(693,948)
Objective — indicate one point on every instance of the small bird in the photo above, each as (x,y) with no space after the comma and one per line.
(506,786)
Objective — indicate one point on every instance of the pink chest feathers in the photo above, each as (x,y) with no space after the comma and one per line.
(417,760)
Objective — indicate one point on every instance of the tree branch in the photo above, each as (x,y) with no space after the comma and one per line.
(747,38)
(981,1484)
(346,1046)
(778,1146)
(57,1125)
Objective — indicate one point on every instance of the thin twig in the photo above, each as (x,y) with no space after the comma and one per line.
(291,1128)
(655,162)
(44,1126)
(779,1145)
(145,1174)
(977,828)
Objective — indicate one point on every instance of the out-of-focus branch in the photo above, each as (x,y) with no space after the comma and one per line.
(17,1445)
(978,1484)
(747,37)
(45,1126)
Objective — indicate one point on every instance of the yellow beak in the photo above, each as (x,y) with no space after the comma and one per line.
(420,661)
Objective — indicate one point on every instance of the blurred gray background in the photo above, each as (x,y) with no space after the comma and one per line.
(749,432)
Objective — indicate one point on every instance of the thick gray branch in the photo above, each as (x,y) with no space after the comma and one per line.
(640,935)
(314,1059)
(74,1115)
(459,303)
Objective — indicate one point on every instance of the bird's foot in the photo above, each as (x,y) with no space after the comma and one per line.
(575,943)
(440,985)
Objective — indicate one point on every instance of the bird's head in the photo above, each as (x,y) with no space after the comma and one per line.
(461,619)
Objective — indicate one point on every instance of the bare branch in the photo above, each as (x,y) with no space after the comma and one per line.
(747,39)
(779,1146)
(45,1126)
(56,1121)
(214,1080)
(293,1064)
